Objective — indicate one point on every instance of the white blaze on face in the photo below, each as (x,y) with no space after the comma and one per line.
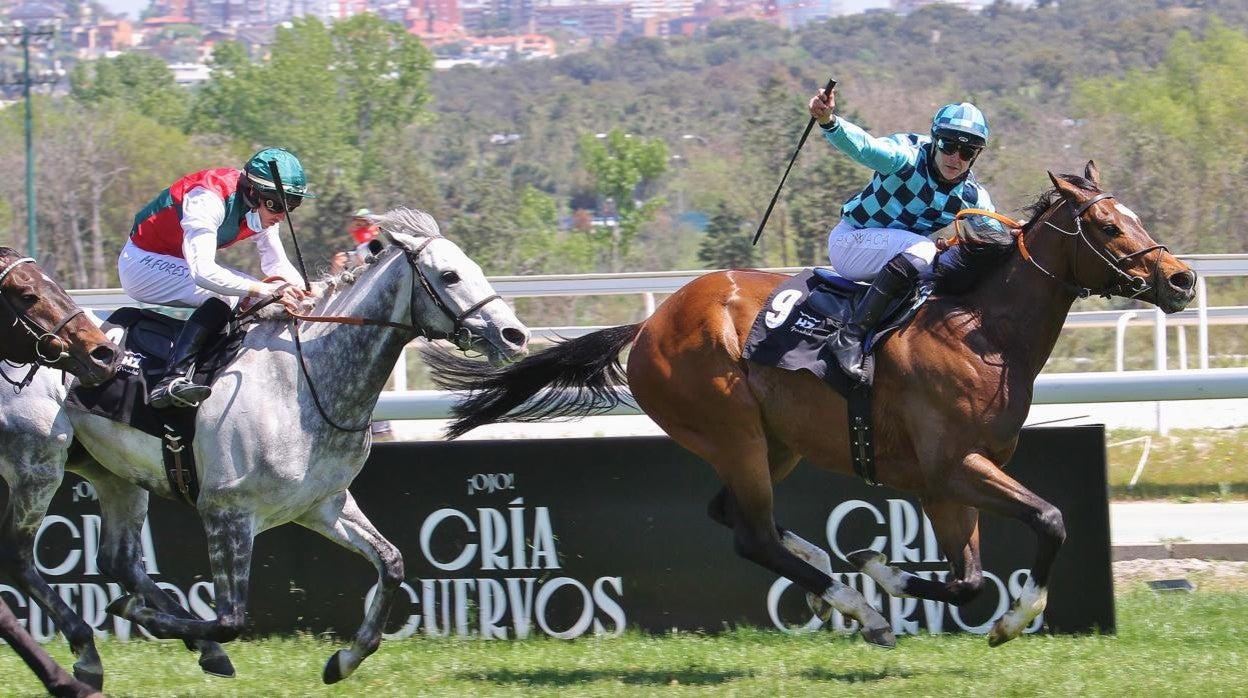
(45,278)
(1122,208)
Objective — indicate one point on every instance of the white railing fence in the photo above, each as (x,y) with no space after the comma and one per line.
(650,284)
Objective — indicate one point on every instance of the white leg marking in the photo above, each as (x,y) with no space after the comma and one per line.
(872,564)
(1031,603)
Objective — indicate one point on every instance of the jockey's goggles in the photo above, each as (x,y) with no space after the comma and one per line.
(273,204)
(948,147)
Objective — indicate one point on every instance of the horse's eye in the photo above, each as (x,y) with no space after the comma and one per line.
(1112,230)
(450,277)
(30,298)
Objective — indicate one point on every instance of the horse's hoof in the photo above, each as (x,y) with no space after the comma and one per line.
(880,637)
(997,636)
(217,665)
(91,678)
(124,606)
(333,669)
(819,607)
(860,558)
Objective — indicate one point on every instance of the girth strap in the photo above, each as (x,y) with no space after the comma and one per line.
(861,434)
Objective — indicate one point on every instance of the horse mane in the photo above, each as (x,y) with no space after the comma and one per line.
(984,250)
(401,220)
(408,221)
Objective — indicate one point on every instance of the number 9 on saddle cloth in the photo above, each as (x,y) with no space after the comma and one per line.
(792,328)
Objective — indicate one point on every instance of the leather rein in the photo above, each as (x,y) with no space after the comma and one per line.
(60,348)
(1128,286)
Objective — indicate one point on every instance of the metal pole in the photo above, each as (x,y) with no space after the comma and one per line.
(32,240)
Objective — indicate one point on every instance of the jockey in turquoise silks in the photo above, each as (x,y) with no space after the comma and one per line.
(170,258)
(920,184)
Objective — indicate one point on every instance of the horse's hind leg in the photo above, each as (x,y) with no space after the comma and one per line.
(748,506)
(123,508)
(231,541)
(31,486)
(49,673)
(340,520)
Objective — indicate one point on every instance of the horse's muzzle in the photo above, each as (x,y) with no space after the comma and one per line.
(1176,290)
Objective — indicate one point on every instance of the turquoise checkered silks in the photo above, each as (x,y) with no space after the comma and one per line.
(905,193)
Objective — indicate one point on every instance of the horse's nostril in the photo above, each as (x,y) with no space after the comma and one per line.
(1184,280)
(515,336)
(103,354)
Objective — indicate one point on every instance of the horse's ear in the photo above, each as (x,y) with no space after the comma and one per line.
(1091,173)
(1071,192)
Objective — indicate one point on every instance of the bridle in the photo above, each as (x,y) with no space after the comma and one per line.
(1128,285)
(59,348)
(460,335)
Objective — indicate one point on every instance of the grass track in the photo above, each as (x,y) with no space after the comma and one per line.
(1167,645)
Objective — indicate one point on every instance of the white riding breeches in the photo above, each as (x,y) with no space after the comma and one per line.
(158,279)
(858,254)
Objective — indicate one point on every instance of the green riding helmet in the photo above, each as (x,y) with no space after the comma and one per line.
(294,181)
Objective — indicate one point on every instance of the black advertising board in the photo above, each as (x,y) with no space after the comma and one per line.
(572,537)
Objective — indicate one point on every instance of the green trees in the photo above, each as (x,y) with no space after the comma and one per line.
(623,169)
(727,244)
(1180,128)
(1151,89)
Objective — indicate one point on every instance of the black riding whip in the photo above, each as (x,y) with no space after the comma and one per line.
(811,124)
(281,194)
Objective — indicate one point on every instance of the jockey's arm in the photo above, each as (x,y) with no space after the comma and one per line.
(202,213)
(273,259)
(884,155)
(984,223)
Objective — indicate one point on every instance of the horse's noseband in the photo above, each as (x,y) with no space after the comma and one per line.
(460,335)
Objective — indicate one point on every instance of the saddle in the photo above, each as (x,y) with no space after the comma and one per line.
(146,344)
(792,329)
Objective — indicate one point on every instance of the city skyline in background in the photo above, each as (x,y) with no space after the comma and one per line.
(132,8)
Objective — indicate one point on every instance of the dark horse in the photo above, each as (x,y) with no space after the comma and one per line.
(30,304)
(952,389)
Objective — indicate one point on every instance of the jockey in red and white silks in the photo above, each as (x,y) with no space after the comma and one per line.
(170,258)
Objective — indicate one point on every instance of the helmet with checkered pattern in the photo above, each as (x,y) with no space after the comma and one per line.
(962,123)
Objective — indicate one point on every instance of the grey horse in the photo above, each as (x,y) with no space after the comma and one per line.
(280,440)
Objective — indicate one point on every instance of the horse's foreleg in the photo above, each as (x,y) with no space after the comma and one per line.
(123,509)
(983,485)
(957,530)
(49,673)
(231,538)
(340,520)
(31,489)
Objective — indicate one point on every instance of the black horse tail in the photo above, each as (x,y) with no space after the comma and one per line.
(579,377)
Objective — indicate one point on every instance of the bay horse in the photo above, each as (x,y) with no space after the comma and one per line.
(951,392)
(30,304)
(282,437)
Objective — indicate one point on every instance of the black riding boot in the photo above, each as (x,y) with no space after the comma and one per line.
(176,389)
(893,282)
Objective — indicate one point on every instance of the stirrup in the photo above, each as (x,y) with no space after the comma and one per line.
(174,389)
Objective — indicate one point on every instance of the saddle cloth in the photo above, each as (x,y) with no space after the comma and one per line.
(792,328)
(146,344)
